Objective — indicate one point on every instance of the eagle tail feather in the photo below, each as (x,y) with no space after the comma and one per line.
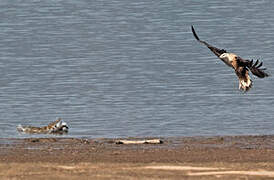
(245,83)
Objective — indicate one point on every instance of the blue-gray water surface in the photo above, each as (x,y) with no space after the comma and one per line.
(120,68)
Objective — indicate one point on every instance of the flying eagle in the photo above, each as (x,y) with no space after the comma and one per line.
(241,66)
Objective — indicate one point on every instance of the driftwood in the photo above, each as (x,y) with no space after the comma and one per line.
(151,141)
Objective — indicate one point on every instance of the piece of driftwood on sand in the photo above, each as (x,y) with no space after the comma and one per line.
(149,141)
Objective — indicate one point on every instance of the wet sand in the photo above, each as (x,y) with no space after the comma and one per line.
(227,157)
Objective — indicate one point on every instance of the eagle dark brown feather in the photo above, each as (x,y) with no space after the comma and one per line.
(253,67)
(215,50)
(256,70)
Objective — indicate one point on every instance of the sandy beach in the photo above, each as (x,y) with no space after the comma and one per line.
(227,157)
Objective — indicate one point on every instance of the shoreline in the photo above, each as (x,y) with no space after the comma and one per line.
(213,157)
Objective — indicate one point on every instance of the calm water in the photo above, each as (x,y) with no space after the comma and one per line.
(119,68)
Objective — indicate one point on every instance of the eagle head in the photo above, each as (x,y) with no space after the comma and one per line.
(228,58)
(224,56)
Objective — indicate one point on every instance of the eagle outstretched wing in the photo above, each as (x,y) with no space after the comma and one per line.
(255,68)
(215,50)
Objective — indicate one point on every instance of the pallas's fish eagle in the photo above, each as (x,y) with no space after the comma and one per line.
(241,66)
